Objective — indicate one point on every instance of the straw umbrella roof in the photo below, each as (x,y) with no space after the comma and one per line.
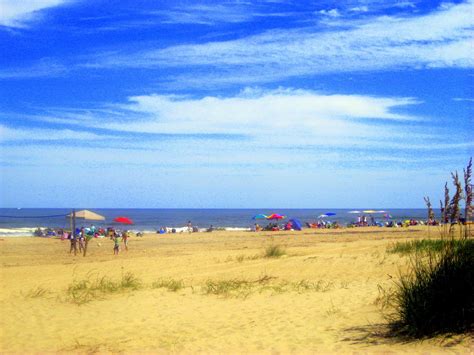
(86,214)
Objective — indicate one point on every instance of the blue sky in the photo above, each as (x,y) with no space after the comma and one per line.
(215,104)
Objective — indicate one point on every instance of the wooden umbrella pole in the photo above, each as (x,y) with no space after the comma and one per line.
(73,235)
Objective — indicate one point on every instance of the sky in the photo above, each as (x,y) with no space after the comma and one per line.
(233,104)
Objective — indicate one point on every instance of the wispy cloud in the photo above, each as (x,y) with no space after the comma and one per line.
(330,13)
(16,13)
(463,99)
(46,67)
(281,118)
(206,14)
(252,110)
(8,134)
(376,44)
(363,8)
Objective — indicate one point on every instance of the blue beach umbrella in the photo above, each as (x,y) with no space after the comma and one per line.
(260,216)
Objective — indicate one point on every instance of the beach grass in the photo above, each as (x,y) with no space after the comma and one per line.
(274,251)
(37,292)
(424,246)
(90,288)
(171,285)
(436,295)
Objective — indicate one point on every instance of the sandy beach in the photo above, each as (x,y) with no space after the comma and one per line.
(323,295)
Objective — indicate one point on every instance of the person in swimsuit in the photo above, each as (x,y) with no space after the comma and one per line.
(116,245)
(73,244)
(125,239)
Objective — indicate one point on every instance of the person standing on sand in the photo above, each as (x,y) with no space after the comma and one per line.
(116,245)
(82,239)
(73,244)
(125,239)
(190,227)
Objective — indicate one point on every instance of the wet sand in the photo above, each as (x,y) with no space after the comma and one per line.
(321,296)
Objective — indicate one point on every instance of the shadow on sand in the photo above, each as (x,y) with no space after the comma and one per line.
(380,334)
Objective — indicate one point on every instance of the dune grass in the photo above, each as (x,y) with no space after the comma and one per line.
(422,246)
(90,288)
(436,296)
(37,292)
(169,284)
(242,288)
(226,288)
(274,251)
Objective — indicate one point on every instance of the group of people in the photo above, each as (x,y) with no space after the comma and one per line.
(323,224)
(189,229)
(79,239)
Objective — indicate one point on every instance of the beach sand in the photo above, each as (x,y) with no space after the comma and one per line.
(319,297)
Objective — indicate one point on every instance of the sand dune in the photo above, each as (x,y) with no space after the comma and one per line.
(319,297)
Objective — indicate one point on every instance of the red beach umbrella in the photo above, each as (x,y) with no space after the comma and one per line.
(123,220)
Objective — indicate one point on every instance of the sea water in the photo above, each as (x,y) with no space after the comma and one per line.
(22,222)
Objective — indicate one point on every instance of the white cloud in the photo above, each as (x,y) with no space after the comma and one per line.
(256,111)
(374,44)
(14,13)
(330,13)
(363,8)
(297,124)
(405,4)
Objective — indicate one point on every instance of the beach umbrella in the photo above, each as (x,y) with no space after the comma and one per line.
(123,220)
(373,211)
(260,216)
(275,216)
(89,215)
(355,212)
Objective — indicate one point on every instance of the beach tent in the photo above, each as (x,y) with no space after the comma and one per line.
(89,215)
(296,224)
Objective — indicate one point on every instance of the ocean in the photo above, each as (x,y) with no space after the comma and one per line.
(22,222)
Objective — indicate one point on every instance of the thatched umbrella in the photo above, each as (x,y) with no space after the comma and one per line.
(87,215)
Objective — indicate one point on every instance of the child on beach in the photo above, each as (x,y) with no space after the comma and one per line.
(116,245)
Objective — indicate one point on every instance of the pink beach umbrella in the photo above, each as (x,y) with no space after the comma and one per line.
(276,216)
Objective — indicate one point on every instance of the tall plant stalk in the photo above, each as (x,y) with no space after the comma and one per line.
(468,191)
